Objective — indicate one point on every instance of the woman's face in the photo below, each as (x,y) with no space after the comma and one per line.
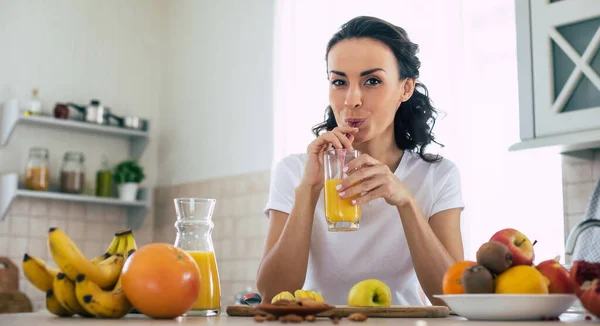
(364,86)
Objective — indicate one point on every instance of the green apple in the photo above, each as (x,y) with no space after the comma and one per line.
(370,293)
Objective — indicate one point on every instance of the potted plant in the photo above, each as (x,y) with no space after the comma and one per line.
(128,175)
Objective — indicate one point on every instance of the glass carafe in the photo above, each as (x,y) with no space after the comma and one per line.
(194,228)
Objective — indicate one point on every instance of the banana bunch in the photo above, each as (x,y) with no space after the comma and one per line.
(80,286)
(298,295)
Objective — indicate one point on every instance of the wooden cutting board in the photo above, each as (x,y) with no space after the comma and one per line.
(344,311)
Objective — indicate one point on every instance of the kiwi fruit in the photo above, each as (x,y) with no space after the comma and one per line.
(494,256)
(478,279)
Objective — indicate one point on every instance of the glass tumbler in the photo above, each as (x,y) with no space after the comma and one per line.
(340,214)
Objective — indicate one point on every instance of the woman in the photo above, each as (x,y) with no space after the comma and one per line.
(411,204)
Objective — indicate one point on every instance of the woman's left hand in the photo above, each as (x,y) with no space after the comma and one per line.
(376,181)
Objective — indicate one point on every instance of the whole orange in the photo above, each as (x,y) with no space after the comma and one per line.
(522,279)
(161,281)
(452,282)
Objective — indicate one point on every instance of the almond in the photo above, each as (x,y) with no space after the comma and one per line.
(357,317)
(310,318)
(259,319)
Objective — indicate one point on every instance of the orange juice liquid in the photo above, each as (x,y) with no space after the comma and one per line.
(336,208)
(209,297)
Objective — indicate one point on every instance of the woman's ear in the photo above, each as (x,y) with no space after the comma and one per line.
(408,88)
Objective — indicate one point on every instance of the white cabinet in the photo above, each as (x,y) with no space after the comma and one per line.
(559,73)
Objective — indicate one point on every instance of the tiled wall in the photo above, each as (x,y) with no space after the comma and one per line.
(91,227)
(240,226)
(580,177)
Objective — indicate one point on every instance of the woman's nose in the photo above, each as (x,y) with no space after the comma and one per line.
(353,98)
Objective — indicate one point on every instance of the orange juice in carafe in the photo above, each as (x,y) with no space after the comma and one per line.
(209,297)
(194,227)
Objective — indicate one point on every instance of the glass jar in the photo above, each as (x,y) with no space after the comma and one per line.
(37,170)
(194,228)
(72,173)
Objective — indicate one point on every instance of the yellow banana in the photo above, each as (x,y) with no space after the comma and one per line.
(72,262)
(54,307)
(285,295)
(64,292)
(318,297)
(38,272)
(130,246)
(111,250)
(100,303)
(301,294)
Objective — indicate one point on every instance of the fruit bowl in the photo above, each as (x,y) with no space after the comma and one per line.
(508,306)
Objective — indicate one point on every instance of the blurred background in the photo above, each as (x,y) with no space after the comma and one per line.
(203,97)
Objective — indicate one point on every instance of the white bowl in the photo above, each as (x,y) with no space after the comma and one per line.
(508,306)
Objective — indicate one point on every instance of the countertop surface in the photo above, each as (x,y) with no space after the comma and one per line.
(43,318)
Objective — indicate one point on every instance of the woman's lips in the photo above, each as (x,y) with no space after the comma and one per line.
(355,123)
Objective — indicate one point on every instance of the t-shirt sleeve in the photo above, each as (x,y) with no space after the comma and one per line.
(449,191)
(284,179)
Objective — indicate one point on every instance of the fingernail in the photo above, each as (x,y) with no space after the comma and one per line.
(342,194)
(354,202)
(345,169)
(338,187)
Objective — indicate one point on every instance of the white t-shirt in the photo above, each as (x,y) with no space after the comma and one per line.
(378,249)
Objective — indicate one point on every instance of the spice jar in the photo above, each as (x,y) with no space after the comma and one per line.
(37,170)
(72,173)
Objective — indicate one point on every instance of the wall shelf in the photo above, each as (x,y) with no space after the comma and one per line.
(580,144)
(10,189)
(10,117)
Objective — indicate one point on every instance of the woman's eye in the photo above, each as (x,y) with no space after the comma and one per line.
(338,82)
(372,81)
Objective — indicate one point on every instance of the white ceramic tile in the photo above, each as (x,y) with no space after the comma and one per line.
(256,247)
(257,204)
(112,214)
(39,207)
(5,226)
(38,247)
(19,226)
(76,211)
(94,213)
(251,269)
(76,229)
(4,245)
(58,209)
(227,249)
(239,270)
(57,223)
(38,227)
(240,248)
(578,196)
(20,206)
(92,249)
(575,173)
(18,247)
(228,227)
(94,231)
(225,270)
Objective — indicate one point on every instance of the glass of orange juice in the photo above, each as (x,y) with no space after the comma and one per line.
(194,228)
(340,214)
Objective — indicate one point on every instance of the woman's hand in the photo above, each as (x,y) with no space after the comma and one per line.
(376,181)
(313,170)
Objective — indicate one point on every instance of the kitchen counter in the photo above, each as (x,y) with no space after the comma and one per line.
(44,318)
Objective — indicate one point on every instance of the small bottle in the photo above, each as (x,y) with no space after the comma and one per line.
(34,105)
(104,179)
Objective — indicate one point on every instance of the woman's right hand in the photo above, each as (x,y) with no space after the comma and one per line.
(313,170)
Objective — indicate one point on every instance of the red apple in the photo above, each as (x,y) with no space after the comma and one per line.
(560,280)
(518,244)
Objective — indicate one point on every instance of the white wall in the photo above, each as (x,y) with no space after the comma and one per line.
(77,50)
(217,114)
